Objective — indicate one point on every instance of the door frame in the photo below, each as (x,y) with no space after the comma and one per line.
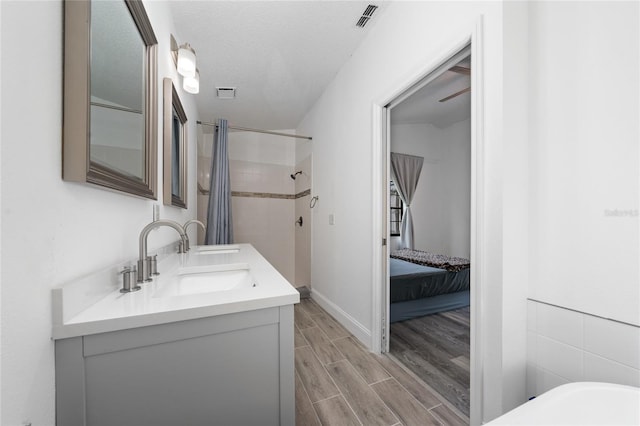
(381,170)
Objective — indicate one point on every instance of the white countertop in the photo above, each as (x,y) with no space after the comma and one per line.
(94,304)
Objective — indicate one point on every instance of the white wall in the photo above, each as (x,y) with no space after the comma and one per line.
(55,231)
(406,38)
(584,307)
(560,161)
(584,157)
(457,172)
(423,140)
(264,148)
(515,204)
(441,206)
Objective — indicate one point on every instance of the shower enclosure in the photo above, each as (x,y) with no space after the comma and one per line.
(271,190)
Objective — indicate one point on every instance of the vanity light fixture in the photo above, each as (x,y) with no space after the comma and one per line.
(184,57)
(186,61)
(192,84)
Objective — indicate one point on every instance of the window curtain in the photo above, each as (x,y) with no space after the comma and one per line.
(405,172)
(219,222)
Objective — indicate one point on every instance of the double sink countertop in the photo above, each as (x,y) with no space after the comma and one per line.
(241,280)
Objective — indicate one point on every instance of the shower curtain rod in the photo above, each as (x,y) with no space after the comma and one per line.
(247,129)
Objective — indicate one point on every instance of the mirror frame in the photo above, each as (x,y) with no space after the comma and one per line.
(171,102)
(76,161)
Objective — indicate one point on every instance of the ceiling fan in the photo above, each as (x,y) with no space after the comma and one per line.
(460,70)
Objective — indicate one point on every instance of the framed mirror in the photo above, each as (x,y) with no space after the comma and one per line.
(110,96)
(174,148)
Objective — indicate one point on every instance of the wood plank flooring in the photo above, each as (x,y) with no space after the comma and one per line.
(339,382)
(436,348)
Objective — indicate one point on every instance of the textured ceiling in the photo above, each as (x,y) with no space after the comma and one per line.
(280,55)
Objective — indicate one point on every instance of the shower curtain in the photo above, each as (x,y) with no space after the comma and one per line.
(405,172)
(219,222)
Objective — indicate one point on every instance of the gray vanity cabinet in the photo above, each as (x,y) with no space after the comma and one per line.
(234,369)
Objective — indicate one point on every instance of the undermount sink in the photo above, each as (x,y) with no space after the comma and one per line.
(209,280)
(216,249)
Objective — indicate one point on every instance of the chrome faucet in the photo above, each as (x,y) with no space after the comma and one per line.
(189,222)
(144,273)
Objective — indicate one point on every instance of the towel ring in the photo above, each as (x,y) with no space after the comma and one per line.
(313,201)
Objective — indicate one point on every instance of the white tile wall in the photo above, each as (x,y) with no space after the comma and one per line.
(268,225)
(567,346)
(613,340)
(263,164)
(559,358)
(600,369)
(561,325)
(303,181)
(303,234)
(247,176)
(548,380)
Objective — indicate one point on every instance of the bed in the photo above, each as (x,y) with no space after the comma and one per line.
(423,283)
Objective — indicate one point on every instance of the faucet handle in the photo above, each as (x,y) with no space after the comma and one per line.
(153,264)
(129,277)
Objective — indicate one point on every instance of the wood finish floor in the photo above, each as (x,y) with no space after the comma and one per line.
(339,382)
(436,348)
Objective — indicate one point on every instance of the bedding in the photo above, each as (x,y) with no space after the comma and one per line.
(423,283)
(402,311)
(449,263)
(410,281)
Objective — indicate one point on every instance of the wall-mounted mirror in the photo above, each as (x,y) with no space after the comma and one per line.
(110,96)
(174,147)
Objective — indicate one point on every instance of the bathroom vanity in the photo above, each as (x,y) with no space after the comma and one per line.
(209,341)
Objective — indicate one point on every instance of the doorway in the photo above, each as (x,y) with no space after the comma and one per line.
(429,273)
(467,46)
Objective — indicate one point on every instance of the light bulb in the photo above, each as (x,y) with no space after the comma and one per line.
(192,84)
(186,61)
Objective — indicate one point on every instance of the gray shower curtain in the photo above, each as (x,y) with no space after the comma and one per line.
(405,172)
(219,223)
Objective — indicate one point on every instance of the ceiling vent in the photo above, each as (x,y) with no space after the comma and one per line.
(366,15)
(226,92)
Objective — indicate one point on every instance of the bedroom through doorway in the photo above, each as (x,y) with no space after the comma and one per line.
(429,232)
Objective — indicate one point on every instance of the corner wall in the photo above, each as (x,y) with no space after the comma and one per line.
(53,231)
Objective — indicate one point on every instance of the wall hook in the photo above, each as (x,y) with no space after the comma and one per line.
(313,201)
(299,221)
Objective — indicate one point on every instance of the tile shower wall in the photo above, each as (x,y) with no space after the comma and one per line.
(567,346)
(303,233)
(267,223)
(263,197)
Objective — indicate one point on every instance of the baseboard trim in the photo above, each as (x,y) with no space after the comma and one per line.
(346,320)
